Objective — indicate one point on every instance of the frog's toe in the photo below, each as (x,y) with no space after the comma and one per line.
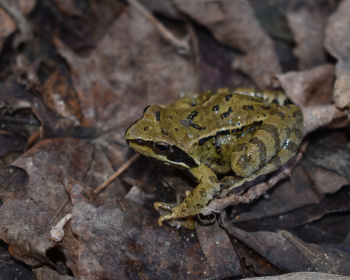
(163,205)
(165,218)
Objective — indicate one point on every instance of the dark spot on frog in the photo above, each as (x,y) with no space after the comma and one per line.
(289,107)
(273,130)
(281,114)
(228,96)
(250,130)
(157,114)
(262,149)
(145,128)
(265,107)
(248,107)
(226,114)
(192,115)
(223,132)
(188,122)
(176,129)
(215,108)
(196,126)
(163,132)
(203,140)
(170,117)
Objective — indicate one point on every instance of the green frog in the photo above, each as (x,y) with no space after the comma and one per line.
(242,132)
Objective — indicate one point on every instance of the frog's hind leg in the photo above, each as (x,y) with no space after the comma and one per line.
(282,156)
(277,139)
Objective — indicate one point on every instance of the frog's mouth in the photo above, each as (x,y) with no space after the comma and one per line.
(174,155)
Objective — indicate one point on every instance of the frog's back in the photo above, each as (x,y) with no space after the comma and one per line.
(221,112)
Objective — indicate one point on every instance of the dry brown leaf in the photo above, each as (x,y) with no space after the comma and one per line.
(297,255)
(12,269)
(7,26)
(128,60)
(27,216)
(319,116)
(310,87)
(337,42)
(307,25)
(114,239)
(233,23)
(218,250)
(303,276)
(18,10)
(10,143)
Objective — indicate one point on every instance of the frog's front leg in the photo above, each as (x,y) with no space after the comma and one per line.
(205,191)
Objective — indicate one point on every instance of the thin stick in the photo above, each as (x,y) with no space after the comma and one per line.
(116,174)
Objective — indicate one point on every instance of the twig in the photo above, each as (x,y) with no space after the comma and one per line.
(116,174)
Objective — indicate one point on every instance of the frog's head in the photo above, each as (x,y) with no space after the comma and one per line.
(158,135)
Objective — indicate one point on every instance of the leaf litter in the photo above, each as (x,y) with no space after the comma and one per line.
(81,89)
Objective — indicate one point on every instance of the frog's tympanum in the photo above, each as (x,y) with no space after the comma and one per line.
(243,132)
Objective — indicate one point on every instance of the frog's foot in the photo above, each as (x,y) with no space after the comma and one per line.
(167,207)
(177,212)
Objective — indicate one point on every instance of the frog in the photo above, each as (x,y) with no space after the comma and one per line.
(243,132)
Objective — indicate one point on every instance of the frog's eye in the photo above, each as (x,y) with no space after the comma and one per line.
(144,111)
(161,147)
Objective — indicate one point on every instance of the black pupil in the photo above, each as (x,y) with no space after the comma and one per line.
(162,147)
